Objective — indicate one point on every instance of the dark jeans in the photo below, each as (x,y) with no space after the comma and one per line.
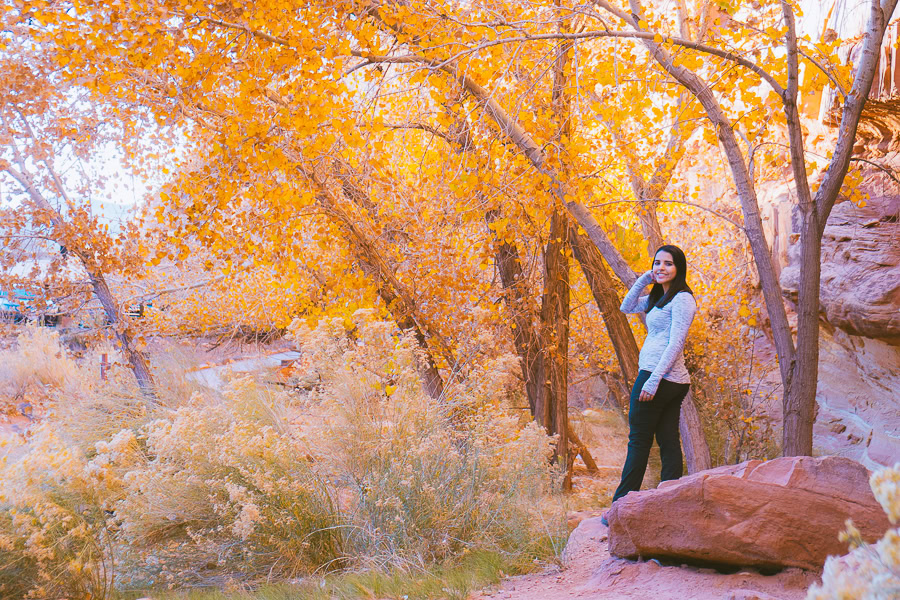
(658,417)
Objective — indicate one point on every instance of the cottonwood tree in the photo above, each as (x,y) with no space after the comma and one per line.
(189,60)
(562,187)
(49,130)
(280,88)
(771,29)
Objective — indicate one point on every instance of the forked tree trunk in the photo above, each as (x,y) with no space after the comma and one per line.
(798,366)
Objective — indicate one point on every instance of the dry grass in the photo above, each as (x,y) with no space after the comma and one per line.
(255,485)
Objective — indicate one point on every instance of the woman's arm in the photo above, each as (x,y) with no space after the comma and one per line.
(633,301)
(683,309)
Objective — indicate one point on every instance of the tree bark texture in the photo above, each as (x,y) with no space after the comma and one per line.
(554,413)
(395,297)
(603,290)
(693,438)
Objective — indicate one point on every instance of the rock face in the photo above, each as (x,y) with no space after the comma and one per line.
(858,390)
(786,512)
(860,269)
(859,399)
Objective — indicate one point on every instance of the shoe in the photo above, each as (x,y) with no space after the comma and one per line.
(604,521)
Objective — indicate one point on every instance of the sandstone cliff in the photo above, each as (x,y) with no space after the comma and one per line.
(859,370)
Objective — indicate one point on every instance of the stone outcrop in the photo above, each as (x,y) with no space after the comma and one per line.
(858,391)
(860,269)
(783,513)
(859,399)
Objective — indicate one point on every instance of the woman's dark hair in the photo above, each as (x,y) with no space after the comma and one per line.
(658,298)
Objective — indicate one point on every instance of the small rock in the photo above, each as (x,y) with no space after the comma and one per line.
(750,595)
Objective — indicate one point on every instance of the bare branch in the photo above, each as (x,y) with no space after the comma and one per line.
(239,27)
(791,112)
(423,127)
(174,290)
(889,172)
(828,191)
(684,202)
(57,183)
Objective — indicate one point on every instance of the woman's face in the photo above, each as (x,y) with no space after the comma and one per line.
(664,267)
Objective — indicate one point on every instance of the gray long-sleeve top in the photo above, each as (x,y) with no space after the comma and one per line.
(667,327)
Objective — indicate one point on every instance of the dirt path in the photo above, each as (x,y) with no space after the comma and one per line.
(590,573)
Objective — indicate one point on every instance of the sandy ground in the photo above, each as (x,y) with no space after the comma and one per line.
(590,573)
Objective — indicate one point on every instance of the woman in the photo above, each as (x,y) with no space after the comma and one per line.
(663,380)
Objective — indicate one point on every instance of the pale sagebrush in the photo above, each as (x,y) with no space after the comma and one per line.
(429,478)
(251,484)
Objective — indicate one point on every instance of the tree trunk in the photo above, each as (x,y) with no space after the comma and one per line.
(650,226)
(608,301)
(555,333)
(799,367)
(395,297)
(523,313)
(693,438)
(800,399)
(138,361)
(526,340)
(576,443)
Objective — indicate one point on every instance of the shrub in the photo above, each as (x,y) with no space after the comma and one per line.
(55,540)
(252,484)
(35,369)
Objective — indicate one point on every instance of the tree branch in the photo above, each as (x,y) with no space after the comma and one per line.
(828,191)
(174,290)
(791,112)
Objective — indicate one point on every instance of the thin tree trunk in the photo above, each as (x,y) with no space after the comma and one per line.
(799,403)
(576,443)
(137,359)
(555,307)
(526,340)
(601,284)
(523,313)
(555,333)
(650,225)
(395,297)
(693,438)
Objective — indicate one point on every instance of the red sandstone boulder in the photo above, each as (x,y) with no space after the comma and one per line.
(786,512)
